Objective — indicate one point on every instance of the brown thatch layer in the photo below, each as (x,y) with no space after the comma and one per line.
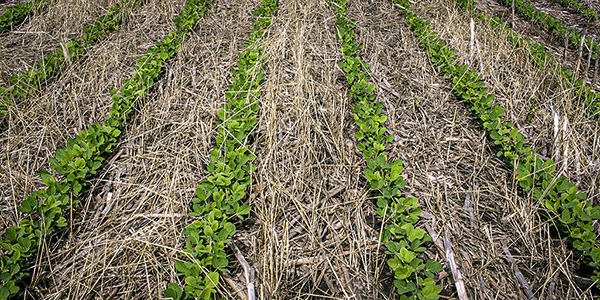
(35,128)
(312,233)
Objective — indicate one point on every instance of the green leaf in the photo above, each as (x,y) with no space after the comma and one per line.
(173,291)
(77,150)
(11,234)
(403,272)
(415,234)
(394,263)
(433,266)
(212,280)
(25,243)
(566,216)
(181,267)
(47,178)
(116,133)
(243,210)
(359,135)
(14,269)
(208,231)
(10,287)
(431,292)
(80,163)
(4,293)
(76,187)
(406,255)
(29,204)
(395,173)
(222,180)
(229,228)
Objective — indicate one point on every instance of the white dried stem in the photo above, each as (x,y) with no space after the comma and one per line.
(472,43)
(566,144)
(580,55)
(595,79)
(566,48)
(589,61)
(458,280)
(519,275)
(556,118)
(248,271)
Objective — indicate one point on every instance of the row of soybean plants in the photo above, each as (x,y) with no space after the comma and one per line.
(413,277)
(542,58)
(554,25)
(44,210)
(21,86)
(218,198)
(564,205)
(16,14)
(581,8)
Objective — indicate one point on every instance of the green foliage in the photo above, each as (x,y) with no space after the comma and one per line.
(551,24)
(81,159)
(574,215)
(538,52)
(580,8)
(173,291)
(542,58)
(413,277)
(21,86)
(218,197)
(16,14)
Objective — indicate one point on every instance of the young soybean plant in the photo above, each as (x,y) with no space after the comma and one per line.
(16,14)
(538,52)
(565,206)
(81,159)
(413,277)
(22,86)
(553,25)
(581,8)
(218,198)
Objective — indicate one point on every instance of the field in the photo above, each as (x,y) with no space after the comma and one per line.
(299,149)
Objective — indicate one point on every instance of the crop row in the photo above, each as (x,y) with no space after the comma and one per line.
(541,58)
(21,86)
(413,278)
(565,207)
(16,14)
(218,197)
(554,25)
(580,8)
(81,159)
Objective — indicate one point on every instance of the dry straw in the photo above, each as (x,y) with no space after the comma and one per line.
(528,93)
(312,232)
(45,31)
(125,243)
(314,235)
(76,99)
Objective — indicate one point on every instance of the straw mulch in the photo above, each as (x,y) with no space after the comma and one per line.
(45,31)
(570,18)
(541,36)
(527,93)
(80,96)
(128,232)
(312,233)
(450,166)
